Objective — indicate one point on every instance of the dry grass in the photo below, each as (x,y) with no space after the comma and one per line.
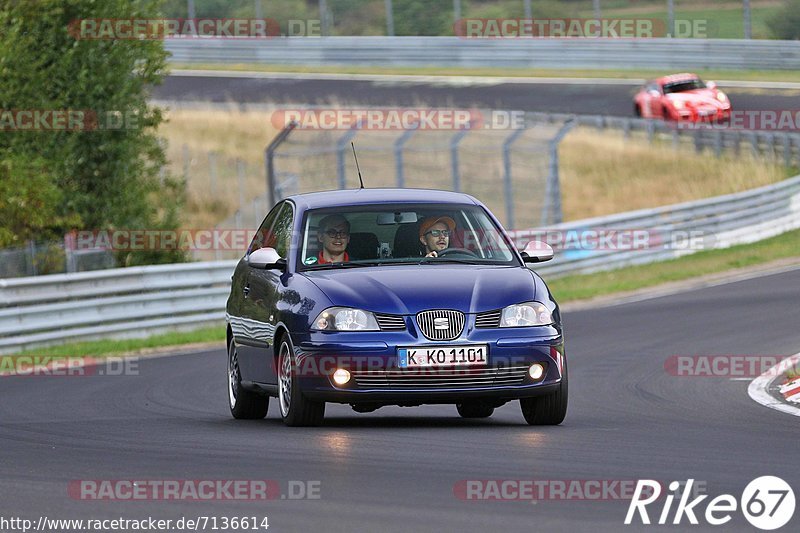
(601,172)
(232,135)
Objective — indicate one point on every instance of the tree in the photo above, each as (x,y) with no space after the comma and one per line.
(101,178)
(785,24)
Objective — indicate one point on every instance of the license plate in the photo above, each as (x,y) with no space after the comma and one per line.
(442,356)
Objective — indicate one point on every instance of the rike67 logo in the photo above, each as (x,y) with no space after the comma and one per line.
(767,503)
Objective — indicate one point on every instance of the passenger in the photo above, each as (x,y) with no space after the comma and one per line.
(334,234)
(434,234)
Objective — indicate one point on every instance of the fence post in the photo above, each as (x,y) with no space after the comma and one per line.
(341,150)
(240,172)
(455,169)
(787,150)
(509,188)
(552,206)
(398,155)
(212,171)
(269,161)
(186,163)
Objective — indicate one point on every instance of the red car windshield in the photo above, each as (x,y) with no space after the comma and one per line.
(684,85)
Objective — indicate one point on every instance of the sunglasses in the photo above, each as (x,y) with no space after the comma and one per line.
(333,234)
(438,232)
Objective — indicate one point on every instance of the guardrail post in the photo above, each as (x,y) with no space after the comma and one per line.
(717,143)
(398,155)
(552,206)
(269,161)
(454,163)
(341,150)
(626,128)
(676,140)
(737,141)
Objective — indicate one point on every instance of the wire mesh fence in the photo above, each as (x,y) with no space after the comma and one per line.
(40,258)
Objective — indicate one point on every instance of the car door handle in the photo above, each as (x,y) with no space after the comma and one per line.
(246,290)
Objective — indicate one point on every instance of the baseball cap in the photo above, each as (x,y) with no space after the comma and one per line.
(429,222)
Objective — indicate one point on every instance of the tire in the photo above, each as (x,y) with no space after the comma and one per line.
(548,410)
(637,110)
(474,410)
(296,409)
(244,404)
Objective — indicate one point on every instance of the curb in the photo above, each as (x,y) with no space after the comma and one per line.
(759,389)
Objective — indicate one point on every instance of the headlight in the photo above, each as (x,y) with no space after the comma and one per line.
(345,319)
(679,104)
(721,96)
(527,314)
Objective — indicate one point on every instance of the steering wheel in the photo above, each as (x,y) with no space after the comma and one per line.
(456,251)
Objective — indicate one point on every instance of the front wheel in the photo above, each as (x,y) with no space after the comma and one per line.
(244,404)
(296,409)
(548,410)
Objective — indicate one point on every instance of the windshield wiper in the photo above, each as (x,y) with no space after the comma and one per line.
(434,260)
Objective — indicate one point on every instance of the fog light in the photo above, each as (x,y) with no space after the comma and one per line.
(536,371)
(341,376)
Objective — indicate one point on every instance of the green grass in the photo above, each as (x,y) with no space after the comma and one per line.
(111,347)
(581,287)
(738,75)
(567,289)
(723,22)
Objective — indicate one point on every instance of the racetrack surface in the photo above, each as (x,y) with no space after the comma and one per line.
(580,98)
(395,469)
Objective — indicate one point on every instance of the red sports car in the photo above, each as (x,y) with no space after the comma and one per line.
(683,97)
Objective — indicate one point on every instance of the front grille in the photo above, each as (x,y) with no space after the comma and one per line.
(488,319)
(390,322)
(440,378)
(441,324)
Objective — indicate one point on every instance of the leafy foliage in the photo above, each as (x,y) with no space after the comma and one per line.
(55,180)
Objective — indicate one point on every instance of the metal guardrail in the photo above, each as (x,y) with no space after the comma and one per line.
(587,53)
(137,301)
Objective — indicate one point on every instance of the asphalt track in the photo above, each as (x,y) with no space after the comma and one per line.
(582,98)
(395,469)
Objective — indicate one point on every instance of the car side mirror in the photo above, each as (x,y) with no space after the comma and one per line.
(266,258)
(537,252)
(711,85)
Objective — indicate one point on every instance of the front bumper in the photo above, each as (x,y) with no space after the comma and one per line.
(375,377)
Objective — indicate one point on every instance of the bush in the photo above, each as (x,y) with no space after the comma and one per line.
(785,24)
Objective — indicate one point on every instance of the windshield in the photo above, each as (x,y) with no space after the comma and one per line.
(684,85)
(402,234)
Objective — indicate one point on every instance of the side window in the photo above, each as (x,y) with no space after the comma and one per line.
(261,236)
(281,235)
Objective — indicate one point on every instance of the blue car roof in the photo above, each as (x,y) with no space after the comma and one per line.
(347,197)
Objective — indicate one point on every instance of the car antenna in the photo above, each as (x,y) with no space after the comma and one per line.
(356,158)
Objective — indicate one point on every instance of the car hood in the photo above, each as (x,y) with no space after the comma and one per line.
(697,98)
(414,288)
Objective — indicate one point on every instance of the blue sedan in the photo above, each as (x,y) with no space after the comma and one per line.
(376,297)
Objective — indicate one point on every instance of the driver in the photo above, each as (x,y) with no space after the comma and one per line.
(434,234)
(334,235)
